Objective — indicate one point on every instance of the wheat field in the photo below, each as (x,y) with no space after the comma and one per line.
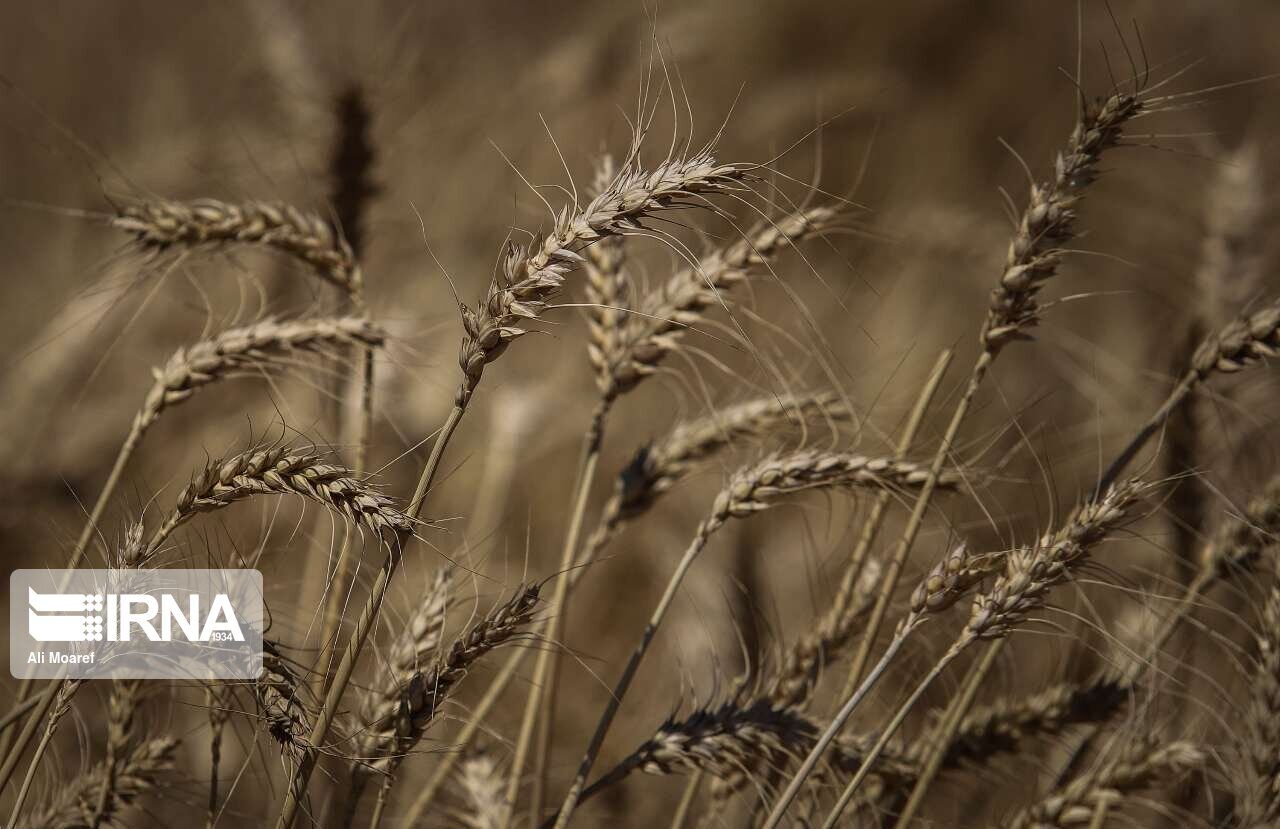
(704,414)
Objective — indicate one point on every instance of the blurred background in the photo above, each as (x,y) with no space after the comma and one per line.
(920,111)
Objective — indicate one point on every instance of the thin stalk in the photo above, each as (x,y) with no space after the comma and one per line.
(892,573)
(874,754)
(686,801)
(1136,668)
(540,707)
(871,527)
(1100,814)
(127,449)
(829,735)
(41,708)
(628,674)
(384,794)
(360,633)
(31,774)
(955,714)
(66,691)
(1148,430)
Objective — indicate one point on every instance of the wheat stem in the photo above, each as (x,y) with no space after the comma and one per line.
(955,714)
(332,700)
(540,707)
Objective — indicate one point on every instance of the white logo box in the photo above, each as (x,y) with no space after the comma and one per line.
(135,624)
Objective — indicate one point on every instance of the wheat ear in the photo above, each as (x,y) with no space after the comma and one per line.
(278,690)
(282,470)
(649,335)
(1141,763)
(409,656)
(732,739)
(1258,789)
(656,468)
(122,705)
(138,772)
(482,782)
(163,224)
(422,699)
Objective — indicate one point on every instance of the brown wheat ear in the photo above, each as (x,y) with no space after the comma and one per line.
(279,694)
(648,336)
(1141,763)
(1258,788)
(532,275)
(162,225)
(411,654)
(282,470)
(422,698)
(656,468)
(140,771)
(482,783)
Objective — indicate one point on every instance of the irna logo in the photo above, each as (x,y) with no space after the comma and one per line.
(90,617)
(165,623)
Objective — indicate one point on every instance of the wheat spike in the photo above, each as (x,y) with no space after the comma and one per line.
(531,276)
(1141,763)
(162,224)
(139,772)
(681,303)
(1048,222)
(410,655)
